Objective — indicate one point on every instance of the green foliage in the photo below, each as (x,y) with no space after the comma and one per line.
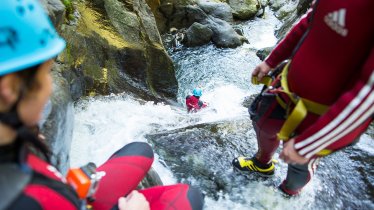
(69,9)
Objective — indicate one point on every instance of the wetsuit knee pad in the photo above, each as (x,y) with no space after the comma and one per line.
(135,149)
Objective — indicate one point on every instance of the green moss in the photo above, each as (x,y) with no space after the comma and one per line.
(92,22)
(69,9)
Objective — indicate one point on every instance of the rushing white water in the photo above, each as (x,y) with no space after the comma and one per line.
(260,33)
(105,124)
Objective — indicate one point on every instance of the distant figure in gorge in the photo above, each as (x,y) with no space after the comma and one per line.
(193,101)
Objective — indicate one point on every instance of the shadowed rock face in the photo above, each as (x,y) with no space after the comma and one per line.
(58,128)
(211,15)
(216,9)
(197,35)
(291,15)
(118,50)
(56,11)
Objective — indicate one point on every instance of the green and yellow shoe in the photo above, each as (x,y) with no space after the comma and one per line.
(245,164)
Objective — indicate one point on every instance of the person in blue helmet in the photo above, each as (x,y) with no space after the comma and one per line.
(28,179)
(193,101)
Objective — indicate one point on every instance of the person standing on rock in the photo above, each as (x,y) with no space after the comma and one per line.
(323,99)
(28,44)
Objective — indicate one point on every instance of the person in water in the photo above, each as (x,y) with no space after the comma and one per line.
(323,100)
(193,101)
(177,37)
(28,44)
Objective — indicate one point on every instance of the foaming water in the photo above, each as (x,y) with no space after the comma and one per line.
(366,144)
(260,31)
(257,195)
(224,103)
(105,124)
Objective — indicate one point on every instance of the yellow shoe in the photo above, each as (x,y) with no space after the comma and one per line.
(253,165)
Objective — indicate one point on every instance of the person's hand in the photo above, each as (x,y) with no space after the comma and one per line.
(134,201)
(290,155)
(261,70)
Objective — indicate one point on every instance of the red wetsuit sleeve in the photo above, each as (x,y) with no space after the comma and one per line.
(285,48)
(346,119)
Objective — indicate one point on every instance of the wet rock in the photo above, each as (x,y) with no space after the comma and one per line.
(150,180)
(184,13)
(350,175)
(58,128)
(261,11)
(249,100)
(204,152)
(303,6)
(264,52)
(201,154)
(238,30)
(244,10)
(56,11)
(370,130)
(275,5)
(79,83)
(116,45)
(197,35)
(223,34)
(286,10)
(216,9)
(159,11)
(299,8)
(167,8)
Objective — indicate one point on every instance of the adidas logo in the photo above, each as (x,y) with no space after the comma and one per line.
(336,21)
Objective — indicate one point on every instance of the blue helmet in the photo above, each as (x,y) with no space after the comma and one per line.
(27,36)
(197,92)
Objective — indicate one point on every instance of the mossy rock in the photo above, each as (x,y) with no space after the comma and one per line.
(118,50)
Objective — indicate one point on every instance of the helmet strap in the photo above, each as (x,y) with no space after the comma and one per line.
(24,133)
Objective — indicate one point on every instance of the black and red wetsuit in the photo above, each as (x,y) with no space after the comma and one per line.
(46,190)
(194,103)
(332,63)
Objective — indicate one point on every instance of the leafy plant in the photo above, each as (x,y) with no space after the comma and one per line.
(69,9)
